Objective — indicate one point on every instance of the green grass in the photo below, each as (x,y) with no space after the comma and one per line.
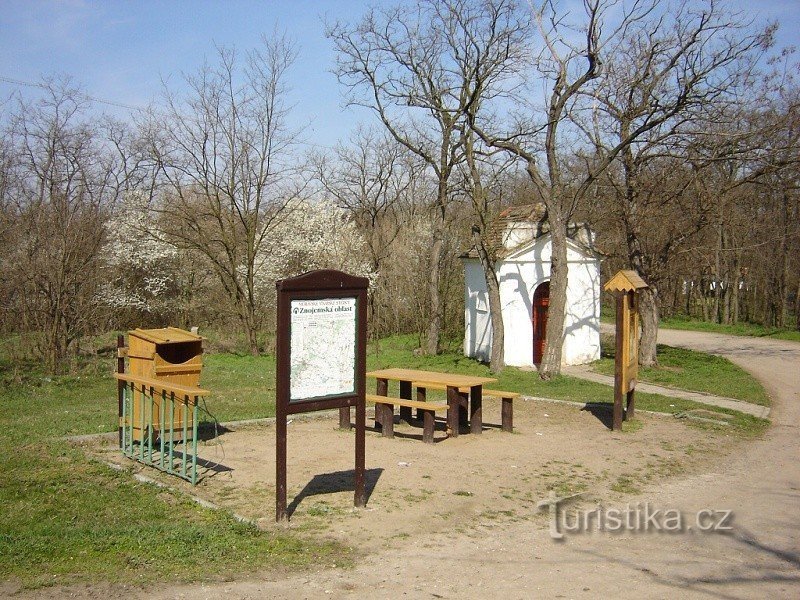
(746,329)
(242,386)
(696,371)
(67,519)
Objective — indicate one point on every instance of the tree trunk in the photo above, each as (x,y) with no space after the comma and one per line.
(717,279)
(480,206)
(248,321)
(797,307)
(735,288)
(704,299)
(783,300)
(497,359)
(556,312)
(435,323)
(648,314)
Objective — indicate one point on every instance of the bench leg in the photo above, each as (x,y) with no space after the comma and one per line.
(508,414)
(476,409)
(453,404)
(427,428)
(463,409)
(422,396)
(387,420)
(344,417)
(405,393)
(381,389)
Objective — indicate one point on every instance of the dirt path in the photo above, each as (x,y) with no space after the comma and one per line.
(759,557)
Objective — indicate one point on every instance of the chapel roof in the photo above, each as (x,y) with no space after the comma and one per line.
(519,226)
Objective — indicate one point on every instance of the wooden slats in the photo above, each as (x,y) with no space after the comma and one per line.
(500,394)
(430,378)
(159,385)
(384,414)
(465,390)
(376,399)
(192,367)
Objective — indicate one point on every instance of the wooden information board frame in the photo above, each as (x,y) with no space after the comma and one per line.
(322,286)
(625,286)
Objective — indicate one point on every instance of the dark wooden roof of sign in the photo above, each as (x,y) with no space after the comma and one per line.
(625,281)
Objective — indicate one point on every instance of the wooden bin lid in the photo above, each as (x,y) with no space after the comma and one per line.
(167,335)
(625,281)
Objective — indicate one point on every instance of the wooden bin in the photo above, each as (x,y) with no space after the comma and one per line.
(169,354)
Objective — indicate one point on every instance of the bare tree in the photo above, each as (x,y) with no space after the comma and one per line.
(378,182)
(225,155)
(420,69)
(65,180)
(370,177)
(682,71)
(559,68)
(573,71)
(488,42)
(392,64)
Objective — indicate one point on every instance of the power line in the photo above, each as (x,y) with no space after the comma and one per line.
(85,96)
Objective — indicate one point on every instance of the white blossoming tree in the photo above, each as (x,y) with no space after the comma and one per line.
(140,263)
(311,235)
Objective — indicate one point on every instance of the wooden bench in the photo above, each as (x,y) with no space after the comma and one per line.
(507,408)
(384,414)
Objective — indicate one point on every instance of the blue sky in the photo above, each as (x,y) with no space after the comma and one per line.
(119,51)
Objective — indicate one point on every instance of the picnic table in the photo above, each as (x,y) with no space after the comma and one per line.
(454,384)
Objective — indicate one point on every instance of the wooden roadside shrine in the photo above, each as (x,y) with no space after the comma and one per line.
(625,286)
(321,351)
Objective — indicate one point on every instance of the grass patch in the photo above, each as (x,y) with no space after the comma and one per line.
(696,371)
(632,426)
(67,519)
(745,329)
(242,386)
(627,485)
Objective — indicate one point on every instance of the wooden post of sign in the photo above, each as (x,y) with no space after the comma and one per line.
(625,286)
(120,385)
(321,350)
(620,359)
(280,466)
(633,360)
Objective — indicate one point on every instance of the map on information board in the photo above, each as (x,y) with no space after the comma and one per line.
(323,348)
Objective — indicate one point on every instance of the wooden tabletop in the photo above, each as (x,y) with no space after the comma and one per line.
(422,377)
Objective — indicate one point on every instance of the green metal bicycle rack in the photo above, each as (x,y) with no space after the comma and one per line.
(158,424)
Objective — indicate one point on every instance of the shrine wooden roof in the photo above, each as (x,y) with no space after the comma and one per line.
(625,281)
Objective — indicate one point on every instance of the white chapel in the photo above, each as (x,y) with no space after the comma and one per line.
(523,269)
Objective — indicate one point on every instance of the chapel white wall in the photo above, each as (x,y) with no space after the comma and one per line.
(519,275)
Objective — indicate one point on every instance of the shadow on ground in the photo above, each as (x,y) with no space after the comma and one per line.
(603,412)
(332,483)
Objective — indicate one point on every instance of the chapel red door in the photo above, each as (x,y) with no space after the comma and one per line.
(541,301)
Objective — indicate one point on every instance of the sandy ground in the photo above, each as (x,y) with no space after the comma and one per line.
(459,518)
(453,486)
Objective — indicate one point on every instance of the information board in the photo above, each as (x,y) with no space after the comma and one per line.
(322,348)
(320,363)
